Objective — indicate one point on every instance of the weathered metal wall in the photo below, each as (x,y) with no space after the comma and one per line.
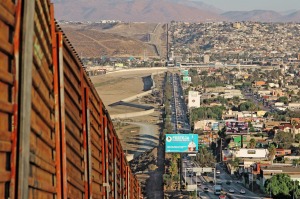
(8,98)
(56,137)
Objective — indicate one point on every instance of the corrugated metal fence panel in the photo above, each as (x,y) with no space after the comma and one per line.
(110,167)
(117,167)
(97,139)
(42,176)
(123,175)
(70,138)
(75,165)
(7,22)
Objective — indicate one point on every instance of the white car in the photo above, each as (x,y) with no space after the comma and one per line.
(231,190)
(242,191)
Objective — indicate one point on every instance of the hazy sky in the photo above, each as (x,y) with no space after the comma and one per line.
(276,5)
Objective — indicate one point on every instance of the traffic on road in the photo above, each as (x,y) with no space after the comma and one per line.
(213,185)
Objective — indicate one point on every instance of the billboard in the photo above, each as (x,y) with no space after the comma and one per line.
(119,65)
(181,143)
(215,126)
(185,72)
(186,79)
(236,127)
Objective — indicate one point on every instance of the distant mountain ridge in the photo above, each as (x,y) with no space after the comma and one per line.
(262,16)
(160,11)
(134,11)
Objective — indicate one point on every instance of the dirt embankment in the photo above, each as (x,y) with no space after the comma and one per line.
(139,136)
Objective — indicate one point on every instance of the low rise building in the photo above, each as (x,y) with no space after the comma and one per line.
(268,171)
(194,99)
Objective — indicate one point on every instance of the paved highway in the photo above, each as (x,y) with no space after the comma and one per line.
(235,185)
(222,177)
(179,118)
(201,182)
(180,124)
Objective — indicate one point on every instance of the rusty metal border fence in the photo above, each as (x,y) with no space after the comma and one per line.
(56,137)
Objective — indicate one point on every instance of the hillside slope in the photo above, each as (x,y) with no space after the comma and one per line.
(134,10)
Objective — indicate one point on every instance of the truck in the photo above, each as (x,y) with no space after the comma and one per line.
(217,189)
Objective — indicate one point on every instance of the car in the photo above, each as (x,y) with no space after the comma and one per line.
(231,190)
(205,189)
(222,197)
(242,191)
(228,182)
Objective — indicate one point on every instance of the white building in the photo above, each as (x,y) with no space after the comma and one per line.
(251,153)
(294,106)
(194,99)
(206,59)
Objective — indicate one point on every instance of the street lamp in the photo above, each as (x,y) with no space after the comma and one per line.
(294,190)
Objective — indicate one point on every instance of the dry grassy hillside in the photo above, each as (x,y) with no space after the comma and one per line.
(120,40)
(127,29)
(95,43)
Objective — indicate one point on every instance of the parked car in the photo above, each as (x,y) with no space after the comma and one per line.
(242,191)
(205,189)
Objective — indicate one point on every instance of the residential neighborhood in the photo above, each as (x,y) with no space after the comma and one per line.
(249,119)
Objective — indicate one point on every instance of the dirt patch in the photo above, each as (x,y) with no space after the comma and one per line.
(116,86)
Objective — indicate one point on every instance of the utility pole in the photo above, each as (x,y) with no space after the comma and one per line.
(294,190)
(197,186)
(221,151)
(167,42)
(215,174)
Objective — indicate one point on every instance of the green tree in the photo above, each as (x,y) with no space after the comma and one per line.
(294,124)
(280,186)
(236,162)
(284,139)
(248,106)
(283,99)
(205,157)
(297,138)
(296,162)
(252,143)
(272,152)
(214,112)
(236,100)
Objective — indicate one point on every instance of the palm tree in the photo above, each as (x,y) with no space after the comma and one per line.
(294,123)
(272,152)
(236,162)
(296,162)
(252,143)
(252,108)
